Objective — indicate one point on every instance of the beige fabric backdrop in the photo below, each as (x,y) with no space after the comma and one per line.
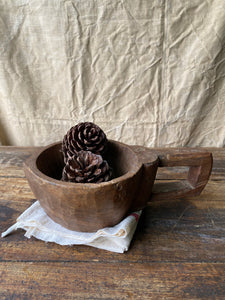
(148,72)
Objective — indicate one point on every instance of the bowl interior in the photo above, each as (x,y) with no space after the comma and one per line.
(50,161)
(119,157)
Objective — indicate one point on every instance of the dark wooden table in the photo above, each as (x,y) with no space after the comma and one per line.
(178,251)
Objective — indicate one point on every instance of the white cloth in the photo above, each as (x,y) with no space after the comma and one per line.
(37,223)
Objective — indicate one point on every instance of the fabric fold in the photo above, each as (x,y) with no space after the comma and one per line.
(38,224)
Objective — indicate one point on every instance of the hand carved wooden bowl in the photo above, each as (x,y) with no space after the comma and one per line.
(91,206)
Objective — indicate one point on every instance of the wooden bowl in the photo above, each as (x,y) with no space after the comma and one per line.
(88,207)
(85,206)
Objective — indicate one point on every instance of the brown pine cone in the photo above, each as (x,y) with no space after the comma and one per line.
(84,136)
(86,167)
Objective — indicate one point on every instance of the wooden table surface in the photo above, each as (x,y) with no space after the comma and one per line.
(178,250)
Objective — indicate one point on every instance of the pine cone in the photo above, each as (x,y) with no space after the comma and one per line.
(84,136)
(86,167)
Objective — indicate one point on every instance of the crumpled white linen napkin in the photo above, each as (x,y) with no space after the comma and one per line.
(37,223)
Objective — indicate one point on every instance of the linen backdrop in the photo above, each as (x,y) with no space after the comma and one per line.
(148,72)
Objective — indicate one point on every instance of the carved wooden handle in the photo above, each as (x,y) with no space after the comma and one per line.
(200,166)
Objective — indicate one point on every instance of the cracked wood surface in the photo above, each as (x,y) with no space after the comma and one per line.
(178,250)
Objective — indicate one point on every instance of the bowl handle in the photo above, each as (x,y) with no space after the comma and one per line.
(199,163)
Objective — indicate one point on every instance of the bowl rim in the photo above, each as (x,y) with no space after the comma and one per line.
(31,163)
